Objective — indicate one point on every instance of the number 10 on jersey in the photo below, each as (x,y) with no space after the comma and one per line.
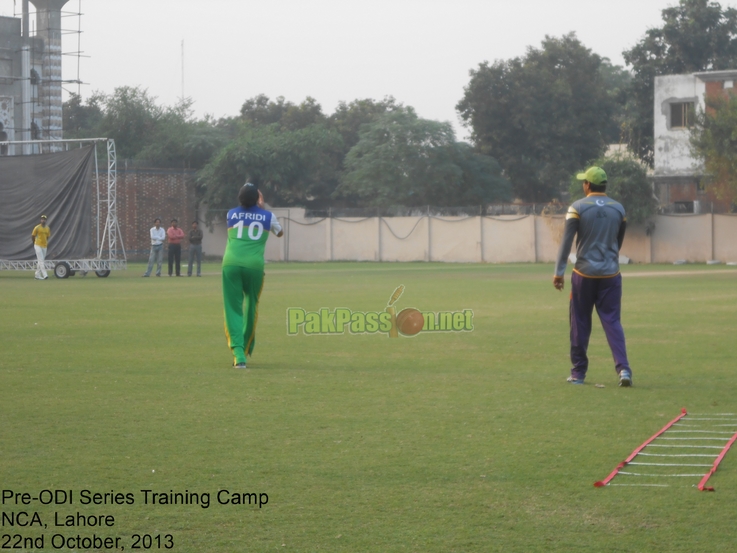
(255,230)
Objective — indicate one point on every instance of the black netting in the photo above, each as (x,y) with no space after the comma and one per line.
(56,185)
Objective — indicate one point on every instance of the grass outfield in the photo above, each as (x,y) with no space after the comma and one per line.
(442,442)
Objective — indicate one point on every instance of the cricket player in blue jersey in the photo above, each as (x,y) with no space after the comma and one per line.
(599,224)
(243,269)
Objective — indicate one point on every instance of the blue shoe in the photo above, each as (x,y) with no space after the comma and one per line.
(625,378)
(572,380)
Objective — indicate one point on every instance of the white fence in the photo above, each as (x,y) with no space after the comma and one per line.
(502,239)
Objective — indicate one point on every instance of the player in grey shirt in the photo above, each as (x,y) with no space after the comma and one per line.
(599,223)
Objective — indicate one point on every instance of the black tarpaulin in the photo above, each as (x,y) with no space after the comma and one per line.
(56,185)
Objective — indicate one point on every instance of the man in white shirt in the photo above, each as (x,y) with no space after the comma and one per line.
(158,235)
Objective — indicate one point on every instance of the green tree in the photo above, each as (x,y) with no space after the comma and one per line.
(617,83)
(627,183)
(714,141)
(260,110)
(130,117)
(697,35)
(82,119)
(171,129)
(482,179)
(178,139)
(350,117)
(541,116)
(143,130)
(204,141)
(292,167)
(401,159)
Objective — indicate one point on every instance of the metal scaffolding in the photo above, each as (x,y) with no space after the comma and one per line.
(46,81)
(110,200)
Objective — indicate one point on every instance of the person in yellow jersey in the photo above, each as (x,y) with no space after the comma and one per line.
(40,236)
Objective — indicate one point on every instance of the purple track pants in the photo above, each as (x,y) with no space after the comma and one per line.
(606,295)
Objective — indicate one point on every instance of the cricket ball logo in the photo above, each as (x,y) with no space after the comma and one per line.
(408,322)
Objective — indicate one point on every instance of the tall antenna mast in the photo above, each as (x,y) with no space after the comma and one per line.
(79,47)
(182,70)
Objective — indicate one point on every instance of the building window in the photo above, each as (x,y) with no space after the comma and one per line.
(681,115)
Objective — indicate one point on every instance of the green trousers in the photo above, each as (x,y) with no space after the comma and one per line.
(241,291)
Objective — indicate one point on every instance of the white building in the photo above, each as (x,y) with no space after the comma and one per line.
(677,174)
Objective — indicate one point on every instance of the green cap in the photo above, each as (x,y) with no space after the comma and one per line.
(595,175)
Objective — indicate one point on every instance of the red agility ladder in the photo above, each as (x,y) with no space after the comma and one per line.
(621,465)
(702,485)
(694,432)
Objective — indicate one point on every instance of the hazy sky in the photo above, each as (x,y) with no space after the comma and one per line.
(419,51)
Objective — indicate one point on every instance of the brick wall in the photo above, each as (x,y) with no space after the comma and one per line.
(145,194)
(714,88)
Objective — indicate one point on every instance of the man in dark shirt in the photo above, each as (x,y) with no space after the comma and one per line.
(599,222)
(195,248)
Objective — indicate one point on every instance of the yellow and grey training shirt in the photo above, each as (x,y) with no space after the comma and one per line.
(600,223)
